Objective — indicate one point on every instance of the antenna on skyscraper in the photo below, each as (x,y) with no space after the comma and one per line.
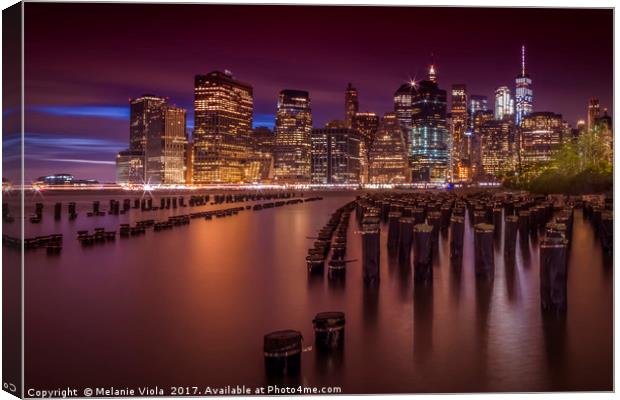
(522,60)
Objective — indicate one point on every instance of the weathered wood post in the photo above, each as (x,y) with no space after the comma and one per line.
(282,352)
(422,254)
(371,252)
(553,275)
(405,238)
(457,231)
(483,251)
(393,229)
(510,235)
(329,330)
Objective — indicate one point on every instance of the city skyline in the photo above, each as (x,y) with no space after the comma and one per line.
(92,111)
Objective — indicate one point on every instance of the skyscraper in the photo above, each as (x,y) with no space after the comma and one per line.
(223,121)
(458,125)
(388,154)
(366,125)
(351,105)
(130,167)
(222,104)
(504,105)
(476,103)
(541,134)
(523,92)
(594,112)
(497,147)
(480,118)
(263,142)
(292,148)
(335,155)
(165,148)
(429,134)
(403,108)
(145,116)
(157,142)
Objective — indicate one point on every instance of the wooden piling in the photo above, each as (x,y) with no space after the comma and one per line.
(483,251)
(422,254)
(553,293)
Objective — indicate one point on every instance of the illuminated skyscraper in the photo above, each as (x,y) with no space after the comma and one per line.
(594,112)
(458,126)
(523,92)
(366,124)
(130,167)
(165,148)
(292,149)
(429,134)
(145,115)
(335,155)
(504,105)
(541,134)
(480,118)
(222,104)
(157,140)
(263,141)
(403,107)
(388,154)
(476,103)
(497,147)
(351,105)
(223,121)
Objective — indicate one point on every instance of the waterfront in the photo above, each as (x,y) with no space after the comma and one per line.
(190,306)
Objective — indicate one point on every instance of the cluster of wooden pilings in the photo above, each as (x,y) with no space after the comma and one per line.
(52,243)
(415,221)
(331,237)
(146,204)
(141,226)
(99,235)
(282,350)
(601,217)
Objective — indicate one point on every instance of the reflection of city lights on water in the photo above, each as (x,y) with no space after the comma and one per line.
(150,188)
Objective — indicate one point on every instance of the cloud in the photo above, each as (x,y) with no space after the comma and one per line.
(69,160)
(111,112)
(268,120)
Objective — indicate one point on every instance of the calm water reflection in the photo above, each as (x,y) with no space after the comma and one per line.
(190,306)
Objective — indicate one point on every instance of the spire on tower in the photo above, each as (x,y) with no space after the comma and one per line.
(523,60)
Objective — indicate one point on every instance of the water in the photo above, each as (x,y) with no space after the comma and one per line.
(190,306)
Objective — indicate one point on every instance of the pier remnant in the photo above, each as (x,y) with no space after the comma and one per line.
(484,263)
(329,330)
(282,352)
(553,276)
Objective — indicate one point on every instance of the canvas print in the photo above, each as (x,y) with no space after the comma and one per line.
(234,199)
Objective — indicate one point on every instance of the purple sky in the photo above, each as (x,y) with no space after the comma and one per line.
(83,62)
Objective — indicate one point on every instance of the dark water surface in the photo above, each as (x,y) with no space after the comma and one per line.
(189,307)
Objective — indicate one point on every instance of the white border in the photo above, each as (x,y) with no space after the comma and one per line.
(495,3)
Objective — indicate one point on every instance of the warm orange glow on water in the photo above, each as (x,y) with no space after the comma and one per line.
(190,306)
